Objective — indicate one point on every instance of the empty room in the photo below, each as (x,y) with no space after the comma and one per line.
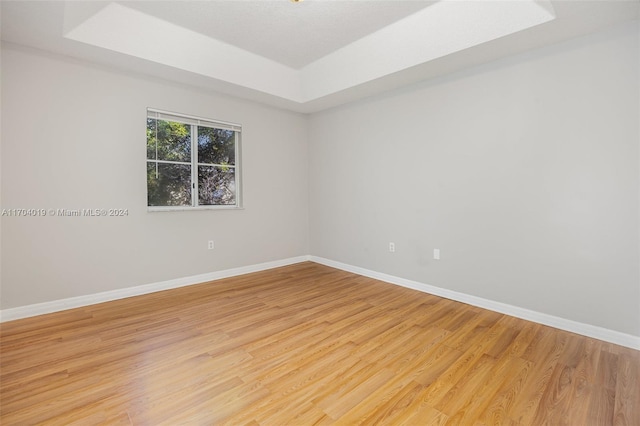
(318,212)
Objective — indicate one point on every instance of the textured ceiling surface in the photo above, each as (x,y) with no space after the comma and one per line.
(293,34)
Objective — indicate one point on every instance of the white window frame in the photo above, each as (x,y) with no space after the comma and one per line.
(194,122)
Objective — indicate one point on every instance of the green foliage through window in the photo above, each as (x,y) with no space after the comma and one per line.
(191,163)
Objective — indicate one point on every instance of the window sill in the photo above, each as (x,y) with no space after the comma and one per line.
(187,209)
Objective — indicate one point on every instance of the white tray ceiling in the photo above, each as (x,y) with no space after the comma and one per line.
(302,56)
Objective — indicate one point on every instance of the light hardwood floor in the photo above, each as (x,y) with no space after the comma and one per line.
(305,345)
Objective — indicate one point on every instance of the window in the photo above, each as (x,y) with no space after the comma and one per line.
(191,162)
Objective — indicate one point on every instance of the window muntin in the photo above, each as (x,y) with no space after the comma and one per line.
(191,162)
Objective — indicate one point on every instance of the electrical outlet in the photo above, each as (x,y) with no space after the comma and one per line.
(210,245)
(392,247)
(436,254)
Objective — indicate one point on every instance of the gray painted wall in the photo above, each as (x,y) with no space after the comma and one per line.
(524,172)
(73,136)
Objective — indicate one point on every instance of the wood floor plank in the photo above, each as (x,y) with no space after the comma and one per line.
(307,345)
(602,403)
(390,400)
(497,408)
(627,403)
(462,365)
(457,400)
(504,366)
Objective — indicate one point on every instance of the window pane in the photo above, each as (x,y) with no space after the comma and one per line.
(216,146)
(170,185)
(171,140)
(216,185)
(151,139)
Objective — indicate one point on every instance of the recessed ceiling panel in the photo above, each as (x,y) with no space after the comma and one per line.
(433,32)
(293,34)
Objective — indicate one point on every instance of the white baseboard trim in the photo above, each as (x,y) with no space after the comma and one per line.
(92,299)
(588,330)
